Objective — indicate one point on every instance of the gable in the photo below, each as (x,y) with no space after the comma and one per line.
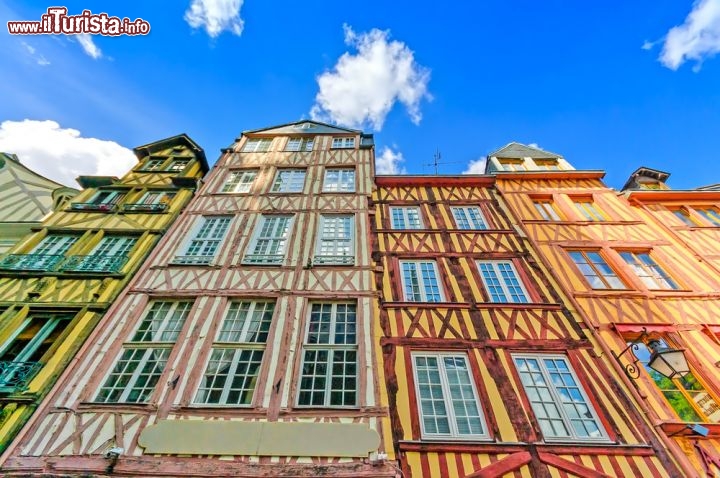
(303,127)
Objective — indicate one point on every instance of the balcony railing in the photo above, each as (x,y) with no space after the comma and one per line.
(263,259)
(94,263)
(90,206)
(193,260)
(14,376)
(55,263)
(161,207)
(343,260)
(30,262)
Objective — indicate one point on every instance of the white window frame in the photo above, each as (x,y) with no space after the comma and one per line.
(299,144)
(422,287)
(254,313)
(142,346)
(447,398)
(330,347)
(336,242)
(281,185)
(546,209)
(557,400)
(153,163)
(588,209)
(502,282)
(157,197)
(406,217)
(345,142)
(472,215)
(240,181)
(342,184)
(47,253)
(653,275)
(184,162)
(260,257)
(257,145)
(207,240)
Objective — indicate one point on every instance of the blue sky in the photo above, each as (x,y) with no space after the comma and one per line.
(583,79)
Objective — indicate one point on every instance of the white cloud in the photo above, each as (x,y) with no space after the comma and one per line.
(62,154)
(647,45)
(39,58)
(696,39)
(389,162)
(89,46)
(362,88)
(216,16)
(476,166)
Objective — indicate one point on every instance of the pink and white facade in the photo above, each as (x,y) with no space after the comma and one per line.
(245,345)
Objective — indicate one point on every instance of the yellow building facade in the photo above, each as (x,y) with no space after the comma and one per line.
(641,269)
(58,281)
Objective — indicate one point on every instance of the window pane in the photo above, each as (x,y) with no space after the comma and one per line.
(230,377)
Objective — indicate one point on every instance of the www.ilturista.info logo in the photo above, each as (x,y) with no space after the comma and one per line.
(57,21)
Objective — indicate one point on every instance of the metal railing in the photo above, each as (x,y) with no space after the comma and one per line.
(94,263)
(30,262)
(263,259)
(139,207)
(193,260)
(91,206)
(342,260)
(14,376)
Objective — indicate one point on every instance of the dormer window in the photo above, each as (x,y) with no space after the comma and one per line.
(154,163)
(547,164)
(513,164)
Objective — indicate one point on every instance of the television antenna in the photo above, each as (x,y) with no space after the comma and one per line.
(436,161)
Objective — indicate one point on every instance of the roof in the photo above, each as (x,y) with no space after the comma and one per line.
(646,172)
(519,150)
(710,187)
(181,139)
(303,126)
(25,196)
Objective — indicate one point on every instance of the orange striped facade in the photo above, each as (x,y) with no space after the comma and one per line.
(655,276)
(444,324)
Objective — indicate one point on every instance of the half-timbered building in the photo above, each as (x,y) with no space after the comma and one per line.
(246,345)
(489,371)
(641,270)
(57,282)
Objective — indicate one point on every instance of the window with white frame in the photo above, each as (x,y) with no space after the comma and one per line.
(561,406)
(144,356)
(232,370)
(649,272)
(502,282)
(240,181)
(201,249)
(257,145)
(335,240)
(343,143)
(178,165)
(154,163)
(405,218)
(469,217)
(157,197)
(299,144)
(328,377)
(270,241)
(288,181)
(339,180)
(546,209)
(25,347)
(420,281)
(447,399)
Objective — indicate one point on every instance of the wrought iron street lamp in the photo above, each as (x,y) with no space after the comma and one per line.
(667,361)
